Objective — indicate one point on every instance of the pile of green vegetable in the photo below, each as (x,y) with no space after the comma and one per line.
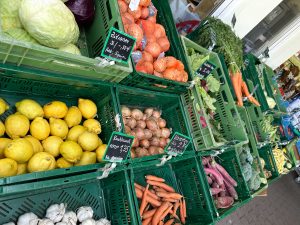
(250,169)
(221,36)
(270,129)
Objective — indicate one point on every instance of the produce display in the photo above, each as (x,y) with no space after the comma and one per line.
(282,160)
(47,22)
(37,138)
(269,129)
(149,129)
(59,215)
(160,204)
(250,169)
(151,42)
(222,185)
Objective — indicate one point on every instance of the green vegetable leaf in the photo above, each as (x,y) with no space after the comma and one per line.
(213,84)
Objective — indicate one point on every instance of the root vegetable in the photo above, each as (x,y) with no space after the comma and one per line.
(147,221)
(160,150)
(132,154)
(70,218)
(126,112)
(148,134)
(149,112)
(155,142)
(161,123)
(137,114)
(165,132)
(162,185)
(144,200)
(56,212)
(151,124)
(224,202)
(215,191)
(156,114)
(231,190)
(152,150)
(215,174)
(130,122)
(182,218)
(162,142)
(144,143)
(139,133)
(141,152)
(141,124)
(209,180)
(154,178)
(135,142)
(225,174)
(157,133)
(169,222)
(149,213)
(127,129)
(156,218)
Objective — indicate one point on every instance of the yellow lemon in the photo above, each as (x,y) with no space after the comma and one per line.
(36,144)
(71,151)
(88,141)
(19,150)
(30,108)
(62,163)
(92,125)
(73,116)
(87,158)
(2,129)
(16,125)
(22,168)
(75,132)
(100,151)
(8,167)
(87,107)
(3,143)
(3,106)
(41,161)
(51,145)
(55,109)
(58,128)
(39,128)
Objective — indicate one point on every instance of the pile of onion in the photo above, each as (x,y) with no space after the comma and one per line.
(149,130)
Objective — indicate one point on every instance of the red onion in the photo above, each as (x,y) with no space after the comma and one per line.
(137,114)
(141,124)
(161,123)
(144,143)
(165,132)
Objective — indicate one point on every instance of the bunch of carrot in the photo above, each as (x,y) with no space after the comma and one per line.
(158,200)
(241,89)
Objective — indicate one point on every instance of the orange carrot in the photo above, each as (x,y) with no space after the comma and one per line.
(184,208)
(159,189)
(235,80)
(175,216)
(153,195)
(154,178)
(166,212)
(161,223)
(159,212)
(149,213)
(248,95)
(144,201)
(169,222)
(139,193)
(152,201)
(147,221)
(162,185)
(182,218)
(170,200)
(169,195)
(176,205)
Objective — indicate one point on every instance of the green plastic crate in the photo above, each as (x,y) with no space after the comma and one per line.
(291,149)
(17,84)
(110,197)
(151,82)
(226,111)
(91,42)
(169,104)
(230,161)
(184,175)
(253,148)
(266,153)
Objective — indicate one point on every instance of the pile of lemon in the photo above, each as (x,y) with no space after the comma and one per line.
(37,138)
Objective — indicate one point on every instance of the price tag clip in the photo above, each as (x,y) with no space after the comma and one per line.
(106,170)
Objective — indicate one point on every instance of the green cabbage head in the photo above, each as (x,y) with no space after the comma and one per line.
(50,22)
(21,35)
(9,14)
(70,48)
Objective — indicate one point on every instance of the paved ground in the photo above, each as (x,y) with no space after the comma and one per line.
(280,207)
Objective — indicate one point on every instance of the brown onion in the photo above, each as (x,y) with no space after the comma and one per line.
(127,129)
(161,123)
(141,124)
(160,150)
(154,141)
(132,133)
(137,114)
(152,150)
(148,133)
(130,122)
(151,124)
(157,133)
(162,142)
(141,152)
(144,143)
(139,133)
(156,114)
(144,117)
(165,132)
(135,142)
(148,112)
(125,111)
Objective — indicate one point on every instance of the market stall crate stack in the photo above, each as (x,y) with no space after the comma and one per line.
(229,123)
(91,41)
(18,84)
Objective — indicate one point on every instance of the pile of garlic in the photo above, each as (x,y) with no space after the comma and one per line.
(57,215)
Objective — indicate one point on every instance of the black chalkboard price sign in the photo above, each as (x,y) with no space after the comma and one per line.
(177,144)
(118,147)
(205,69)
(118,46)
